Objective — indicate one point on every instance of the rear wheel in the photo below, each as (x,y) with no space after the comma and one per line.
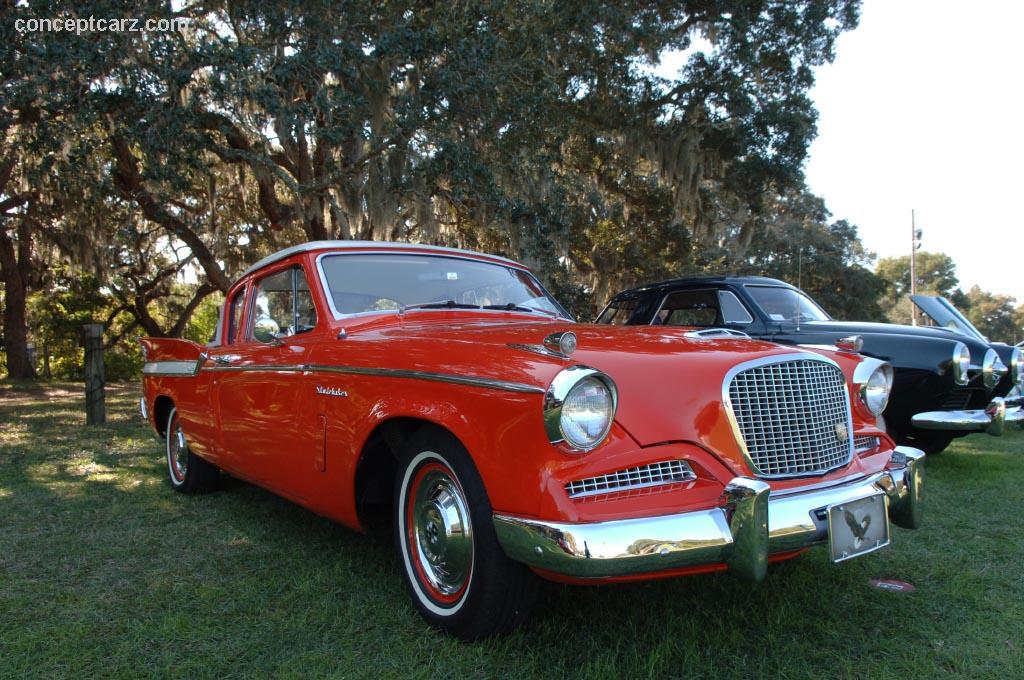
(459,577)
(187,472)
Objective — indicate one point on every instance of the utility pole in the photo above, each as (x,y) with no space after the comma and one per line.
(915,243)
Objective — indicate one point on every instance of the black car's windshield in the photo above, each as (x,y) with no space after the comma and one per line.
(786,304)
(359,283)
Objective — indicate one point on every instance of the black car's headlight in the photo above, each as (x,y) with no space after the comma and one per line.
(1017,366)
(579,407)
(992,369)
(961,364)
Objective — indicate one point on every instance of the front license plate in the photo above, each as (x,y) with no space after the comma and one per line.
(857,527)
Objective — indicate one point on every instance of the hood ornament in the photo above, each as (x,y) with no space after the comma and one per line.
(564,342)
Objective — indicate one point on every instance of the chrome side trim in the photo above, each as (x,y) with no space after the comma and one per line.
(263,368)
(752,524)
(471,380)
(171,367)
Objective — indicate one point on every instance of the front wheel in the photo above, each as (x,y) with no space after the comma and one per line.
(187,472)
(459,577)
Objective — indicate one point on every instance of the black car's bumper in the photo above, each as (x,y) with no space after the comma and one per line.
(992,419)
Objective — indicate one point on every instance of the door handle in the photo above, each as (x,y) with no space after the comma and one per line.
(225,359)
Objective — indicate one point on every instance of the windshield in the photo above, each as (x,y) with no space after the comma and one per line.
(786,304)
(360,283)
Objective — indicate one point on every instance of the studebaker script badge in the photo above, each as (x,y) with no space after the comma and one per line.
(331,391)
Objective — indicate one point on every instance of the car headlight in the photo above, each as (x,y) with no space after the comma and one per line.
(1017,366)
(874,378)
(579,407)
(961,364)
(992,369)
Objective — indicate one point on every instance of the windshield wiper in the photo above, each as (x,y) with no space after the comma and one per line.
(513,307)
(447,304)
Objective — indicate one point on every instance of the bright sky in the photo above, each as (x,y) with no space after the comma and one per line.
(923,108)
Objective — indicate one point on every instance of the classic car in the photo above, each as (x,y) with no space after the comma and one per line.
(947,383)
(508,442)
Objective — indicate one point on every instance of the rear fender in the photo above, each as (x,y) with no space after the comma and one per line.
(171,356)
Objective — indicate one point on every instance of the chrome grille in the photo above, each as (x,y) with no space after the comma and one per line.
(866,443)
(654,474)
(792,416)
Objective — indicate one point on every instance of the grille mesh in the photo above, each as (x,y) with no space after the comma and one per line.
(866,443)
(793,417)
(654,474)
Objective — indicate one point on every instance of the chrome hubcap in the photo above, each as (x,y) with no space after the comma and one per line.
(443,533)
(179,454)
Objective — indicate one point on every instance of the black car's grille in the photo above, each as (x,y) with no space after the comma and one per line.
(957,400)
(793,416)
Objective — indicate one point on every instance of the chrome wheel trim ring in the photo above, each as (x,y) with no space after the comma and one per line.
(403,533)
(177,454)
(443,532)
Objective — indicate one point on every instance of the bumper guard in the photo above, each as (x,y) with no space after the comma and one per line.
(752,524)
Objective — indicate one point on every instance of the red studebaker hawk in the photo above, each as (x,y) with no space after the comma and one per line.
(509,442)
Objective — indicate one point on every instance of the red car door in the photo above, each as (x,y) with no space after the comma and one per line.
(267,426)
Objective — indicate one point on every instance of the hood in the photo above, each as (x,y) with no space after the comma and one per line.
(867,327)
(669,385)
(943,313)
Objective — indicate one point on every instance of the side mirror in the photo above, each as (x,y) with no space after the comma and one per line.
(266,330)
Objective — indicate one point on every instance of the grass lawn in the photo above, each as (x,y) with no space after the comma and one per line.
(105,571)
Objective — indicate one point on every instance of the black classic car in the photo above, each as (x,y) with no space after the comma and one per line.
(949,380)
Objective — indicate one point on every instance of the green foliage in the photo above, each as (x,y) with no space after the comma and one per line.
(203,322)
(797,244)
(993,315)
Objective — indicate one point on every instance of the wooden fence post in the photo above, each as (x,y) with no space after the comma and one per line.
(92,340)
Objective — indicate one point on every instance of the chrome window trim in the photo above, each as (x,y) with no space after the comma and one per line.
(156,368)
(251,312)
(734,423)
(470,380)
(563,314)
(380,246)
(718,292)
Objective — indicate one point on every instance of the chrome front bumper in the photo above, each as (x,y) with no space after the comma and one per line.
(752,524)
(993,419)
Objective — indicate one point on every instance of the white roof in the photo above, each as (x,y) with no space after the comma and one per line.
(376,245)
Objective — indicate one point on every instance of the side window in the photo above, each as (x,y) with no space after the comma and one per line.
(235,315)
(618,312)
(689,308)
(733,310)
(282,306)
